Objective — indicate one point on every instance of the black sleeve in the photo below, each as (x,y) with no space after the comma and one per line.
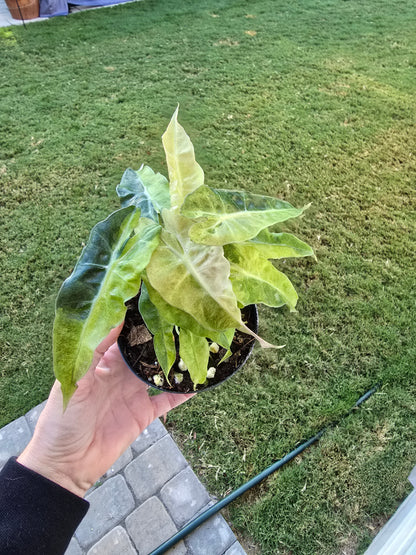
(37,516)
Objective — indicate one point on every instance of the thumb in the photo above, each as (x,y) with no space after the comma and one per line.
(106,344)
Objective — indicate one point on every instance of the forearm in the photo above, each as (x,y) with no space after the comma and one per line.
(36,512)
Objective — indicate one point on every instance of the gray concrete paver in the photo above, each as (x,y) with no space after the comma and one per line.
(120,463)
(116,542)
(32,416)
(74,548)
(211,538)
(150,525)
(235,549)
(184,496)
(13,439)
(155,431)
(152,469)
(109,505)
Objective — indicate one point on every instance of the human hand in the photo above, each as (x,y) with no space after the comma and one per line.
(110,408)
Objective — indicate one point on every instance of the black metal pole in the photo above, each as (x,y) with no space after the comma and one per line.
(20,12)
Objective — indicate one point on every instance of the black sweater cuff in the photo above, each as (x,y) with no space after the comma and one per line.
(37,516)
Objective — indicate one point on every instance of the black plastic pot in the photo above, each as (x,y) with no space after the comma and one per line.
(135,356)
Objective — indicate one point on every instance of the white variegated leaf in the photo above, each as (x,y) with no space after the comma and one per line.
(185,174)
(224,217)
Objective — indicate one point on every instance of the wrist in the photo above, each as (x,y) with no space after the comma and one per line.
(48,469)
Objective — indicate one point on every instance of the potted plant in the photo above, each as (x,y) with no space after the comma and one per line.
(189,260)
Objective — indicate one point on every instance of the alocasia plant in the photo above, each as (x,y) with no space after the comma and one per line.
(197,254)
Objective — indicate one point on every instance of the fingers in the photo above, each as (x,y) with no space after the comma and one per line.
(111,363)
(106,344)
(165,402)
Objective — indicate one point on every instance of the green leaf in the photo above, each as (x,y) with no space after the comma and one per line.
(194,351)
(177,317)
(226,339)
(233,216)
(279,245)
(195,279)
(227,355)
(185,174)
(192,277)
(146,190)
(165,349)
(174,315)
(256,280)
(163,339)
(91,301)
(157,187)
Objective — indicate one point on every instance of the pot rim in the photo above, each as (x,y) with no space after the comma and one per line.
(254,314)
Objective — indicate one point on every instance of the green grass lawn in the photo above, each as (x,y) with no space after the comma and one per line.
(311,101)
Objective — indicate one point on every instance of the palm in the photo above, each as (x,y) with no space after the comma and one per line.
(110,408)
(124,409)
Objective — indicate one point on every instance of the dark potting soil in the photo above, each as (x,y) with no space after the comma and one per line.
(136,346)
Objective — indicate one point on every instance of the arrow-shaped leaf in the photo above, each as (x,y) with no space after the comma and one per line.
(279,245)
(145,189)
(233,216)
(185,174)
(256,280)
(192,277)
(163,340)
(91,301)
(195,278)
(183,320)
(194,351)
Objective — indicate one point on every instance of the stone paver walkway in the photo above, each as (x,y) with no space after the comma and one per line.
(149,494)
